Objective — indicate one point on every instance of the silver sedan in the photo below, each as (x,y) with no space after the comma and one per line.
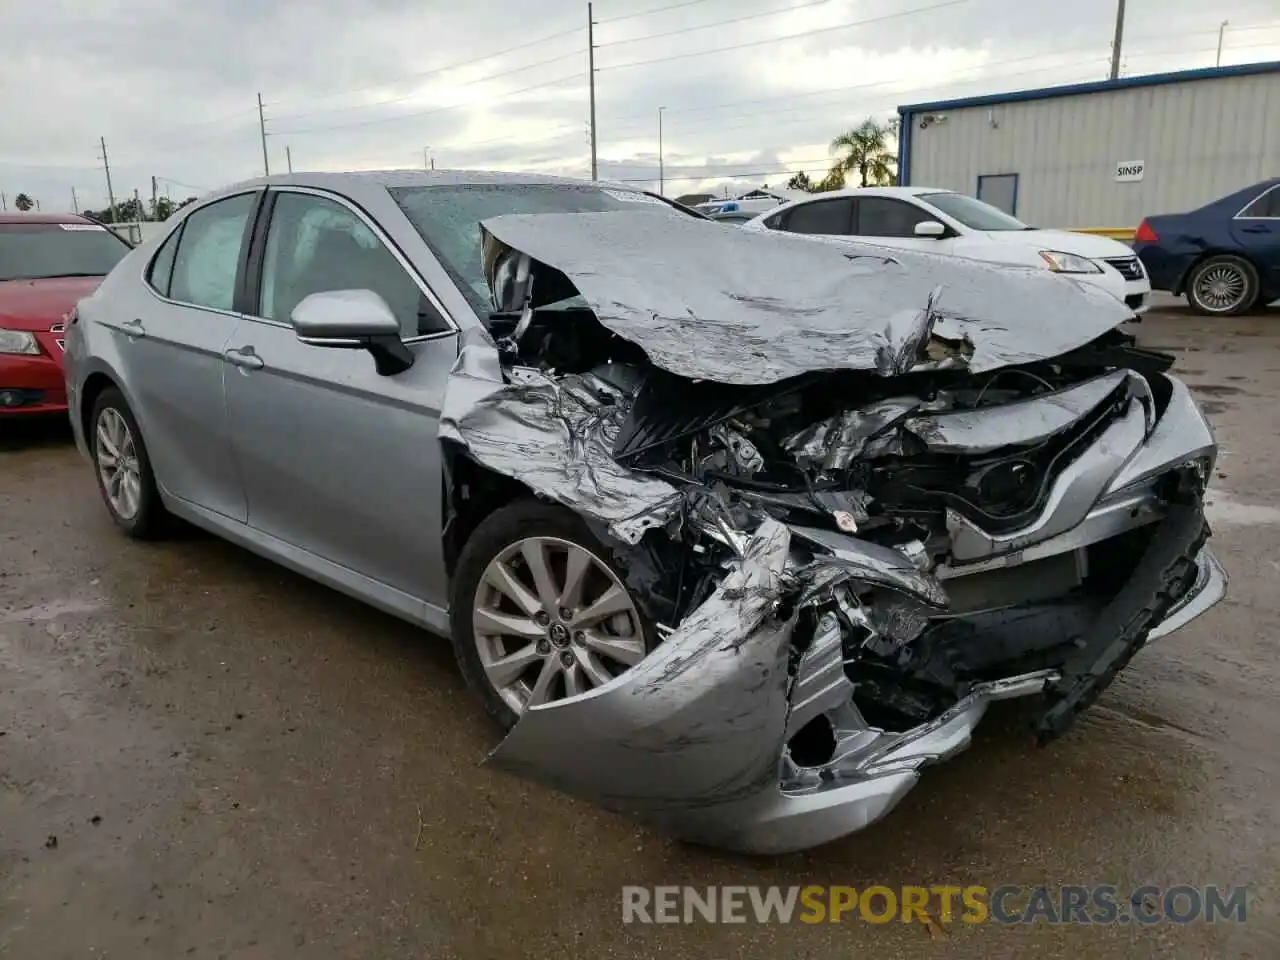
(732,532)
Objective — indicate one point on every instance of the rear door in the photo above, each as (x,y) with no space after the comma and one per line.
(172,347)
(337,460)
(1257,229)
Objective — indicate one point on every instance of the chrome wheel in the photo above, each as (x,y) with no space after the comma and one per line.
(551,621)
(1221,287)
(117,459)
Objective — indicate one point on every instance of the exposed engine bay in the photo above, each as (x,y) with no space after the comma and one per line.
(884,544)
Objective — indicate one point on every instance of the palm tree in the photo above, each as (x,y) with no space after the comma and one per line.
(23,202)
(865,149)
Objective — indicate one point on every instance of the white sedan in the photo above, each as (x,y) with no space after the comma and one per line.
(924,218)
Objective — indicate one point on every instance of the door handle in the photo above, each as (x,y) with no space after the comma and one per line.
(245,358)
(134,329)
(1261,228)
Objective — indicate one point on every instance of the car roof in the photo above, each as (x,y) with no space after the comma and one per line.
(362,179)
(19,217)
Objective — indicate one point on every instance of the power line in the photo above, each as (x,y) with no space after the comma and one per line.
(437,70)
(716,23)
(646,13)
(410,96)
(789,36)
(424,113)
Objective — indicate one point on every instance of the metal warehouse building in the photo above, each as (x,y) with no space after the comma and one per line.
(1101,154)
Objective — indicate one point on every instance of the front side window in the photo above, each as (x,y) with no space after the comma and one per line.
(882,217)
(315,244)
(208,256)
(1266,205)
(41,251)
(822,217)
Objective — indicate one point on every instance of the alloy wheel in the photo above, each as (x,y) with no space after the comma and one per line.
(551,621)
(1221,287)
(118,467)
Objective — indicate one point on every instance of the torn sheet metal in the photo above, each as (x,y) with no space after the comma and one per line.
(1023,422)
(837,442)
(740,307)
(552,436)
(869,562)
(694,726)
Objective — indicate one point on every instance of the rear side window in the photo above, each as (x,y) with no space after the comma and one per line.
(161,271)
(208,257)
(829,217)
(1267,205)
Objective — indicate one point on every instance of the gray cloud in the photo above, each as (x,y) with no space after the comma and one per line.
(172,85)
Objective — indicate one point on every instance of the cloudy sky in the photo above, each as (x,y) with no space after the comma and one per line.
(751,88)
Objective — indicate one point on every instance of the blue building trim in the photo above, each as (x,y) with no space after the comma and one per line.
(908,111)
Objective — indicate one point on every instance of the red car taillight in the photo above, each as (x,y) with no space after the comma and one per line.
(1145,233)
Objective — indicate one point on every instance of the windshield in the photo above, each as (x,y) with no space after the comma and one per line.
(448,218)
(974,214)
(38,251)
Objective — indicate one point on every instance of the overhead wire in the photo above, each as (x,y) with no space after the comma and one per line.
(650,12)
(790,36)
(715,23)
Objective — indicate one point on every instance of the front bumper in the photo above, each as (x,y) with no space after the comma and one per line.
(695,739)
(30,384)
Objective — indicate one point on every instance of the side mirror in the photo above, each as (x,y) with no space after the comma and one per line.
(353,320)
(931,229)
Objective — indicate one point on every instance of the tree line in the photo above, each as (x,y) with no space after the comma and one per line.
(862,152)
(126,211)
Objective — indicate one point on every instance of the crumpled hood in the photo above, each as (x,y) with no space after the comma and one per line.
(734,306)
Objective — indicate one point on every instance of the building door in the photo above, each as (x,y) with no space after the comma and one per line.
(1000,190)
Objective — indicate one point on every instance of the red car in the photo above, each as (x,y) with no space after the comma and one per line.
(48,262)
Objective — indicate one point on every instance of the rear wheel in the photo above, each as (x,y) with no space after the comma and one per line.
(540,612)
(123,468)
(1222,286)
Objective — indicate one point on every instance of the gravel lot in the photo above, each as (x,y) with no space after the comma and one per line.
(238,763)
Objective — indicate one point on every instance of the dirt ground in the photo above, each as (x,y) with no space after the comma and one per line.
(202,755)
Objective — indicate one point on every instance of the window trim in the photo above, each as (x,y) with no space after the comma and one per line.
(175,235)
(258,247)
(1266,192)
(250,225)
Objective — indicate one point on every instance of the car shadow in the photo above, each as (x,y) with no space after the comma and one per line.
(31,432)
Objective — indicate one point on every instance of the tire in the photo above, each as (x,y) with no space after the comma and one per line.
(1222,286)
(558,654)
(148,519)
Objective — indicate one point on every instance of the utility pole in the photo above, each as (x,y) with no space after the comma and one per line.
(288,158)
(37,199)
(1117,41)
(75,204)
(591,75)
(262,128)
(106,166)
(1221,29)
(4,203)
(662,170)
(137,205)
(428,161)
(155,207)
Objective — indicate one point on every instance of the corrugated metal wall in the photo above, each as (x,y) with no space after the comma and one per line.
(1199,139)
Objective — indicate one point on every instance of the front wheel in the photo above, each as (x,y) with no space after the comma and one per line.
(123,468)
(540,611)
(1222,286)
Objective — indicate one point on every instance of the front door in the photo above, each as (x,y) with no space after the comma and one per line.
(337,460)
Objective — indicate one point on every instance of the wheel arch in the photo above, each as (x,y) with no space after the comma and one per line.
(470,492)
(1180,288)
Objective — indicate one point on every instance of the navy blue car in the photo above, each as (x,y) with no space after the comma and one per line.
(1225,256)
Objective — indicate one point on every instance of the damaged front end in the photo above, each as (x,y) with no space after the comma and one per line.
(852,534)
